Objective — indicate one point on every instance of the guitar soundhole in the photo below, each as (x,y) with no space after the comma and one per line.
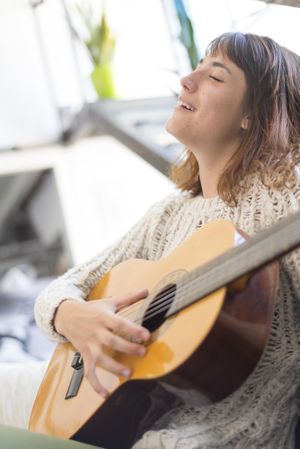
(155,314)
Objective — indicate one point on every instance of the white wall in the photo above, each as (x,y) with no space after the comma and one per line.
(27,113)
(213,17)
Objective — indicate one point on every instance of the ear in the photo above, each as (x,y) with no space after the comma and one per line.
(245,123)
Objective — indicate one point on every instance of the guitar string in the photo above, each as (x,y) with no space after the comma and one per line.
(163,303)
(208,286)
(186,286)
(164,300)
(262,239)
(167,299)
(207,273)
(241,252)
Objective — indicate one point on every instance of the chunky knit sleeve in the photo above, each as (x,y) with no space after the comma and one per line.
(79,281)
(284,203)
(290,204)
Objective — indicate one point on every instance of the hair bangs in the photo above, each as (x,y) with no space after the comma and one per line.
(234,46)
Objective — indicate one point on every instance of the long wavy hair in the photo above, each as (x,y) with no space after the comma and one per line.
(270,146)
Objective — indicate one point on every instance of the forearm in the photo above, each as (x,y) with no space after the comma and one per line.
(77,283)
(74,285)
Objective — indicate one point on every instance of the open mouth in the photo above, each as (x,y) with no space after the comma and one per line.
(184,105)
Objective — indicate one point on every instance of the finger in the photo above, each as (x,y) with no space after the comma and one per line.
(120,344)
(130,298)
(125,327)
(111,365)
(90,374)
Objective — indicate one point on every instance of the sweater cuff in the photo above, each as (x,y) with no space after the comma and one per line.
(45,311)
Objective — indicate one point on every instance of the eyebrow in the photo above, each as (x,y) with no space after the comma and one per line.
(218,64)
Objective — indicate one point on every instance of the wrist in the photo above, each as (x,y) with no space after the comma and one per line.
(62,314)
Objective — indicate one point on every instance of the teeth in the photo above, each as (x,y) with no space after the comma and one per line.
(185,105)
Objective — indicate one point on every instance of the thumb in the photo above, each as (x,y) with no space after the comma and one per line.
(130,298)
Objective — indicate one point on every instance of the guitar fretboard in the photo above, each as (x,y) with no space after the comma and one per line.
(256,252)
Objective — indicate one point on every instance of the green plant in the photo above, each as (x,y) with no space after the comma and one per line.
(100,42)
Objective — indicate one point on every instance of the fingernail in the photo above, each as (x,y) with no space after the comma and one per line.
(141,351)
(145,335)
(126,372)
(102,393)
(144,290)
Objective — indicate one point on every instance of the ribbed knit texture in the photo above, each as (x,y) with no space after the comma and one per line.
(262,413)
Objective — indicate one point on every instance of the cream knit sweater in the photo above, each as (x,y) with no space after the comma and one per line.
(261,414)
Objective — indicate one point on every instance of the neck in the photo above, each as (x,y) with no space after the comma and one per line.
(211,166)
(209,177)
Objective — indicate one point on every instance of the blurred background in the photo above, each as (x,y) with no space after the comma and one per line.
(85,89)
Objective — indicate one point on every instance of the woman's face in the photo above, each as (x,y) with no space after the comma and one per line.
(210,113)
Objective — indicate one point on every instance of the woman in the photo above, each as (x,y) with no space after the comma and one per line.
(238,116)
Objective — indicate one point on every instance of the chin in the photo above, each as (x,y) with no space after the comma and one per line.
(172,128)
(168,126)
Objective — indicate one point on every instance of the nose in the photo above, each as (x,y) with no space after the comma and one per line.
(189,83)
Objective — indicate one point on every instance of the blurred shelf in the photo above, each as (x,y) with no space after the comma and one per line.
(138,124)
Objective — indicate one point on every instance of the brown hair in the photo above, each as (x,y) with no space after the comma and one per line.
(271,144)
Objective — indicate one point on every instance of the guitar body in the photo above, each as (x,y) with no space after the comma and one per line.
(210,346)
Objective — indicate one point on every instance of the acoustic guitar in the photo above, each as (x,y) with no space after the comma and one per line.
(209,311)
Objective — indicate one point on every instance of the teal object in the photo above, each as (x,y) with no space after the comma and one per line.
(187,33)
(14,438)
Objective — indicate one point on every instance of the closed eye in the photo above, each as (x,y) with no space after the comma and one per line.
(216,79)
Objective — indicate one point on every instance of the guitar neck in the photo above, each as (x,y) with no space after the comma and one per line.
(255,253)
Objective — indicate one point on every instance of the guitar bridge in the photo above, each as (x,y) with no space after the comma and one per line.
(77,376)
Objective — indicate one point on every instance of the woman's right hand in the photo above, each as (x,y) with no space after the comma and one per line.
(92,326)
